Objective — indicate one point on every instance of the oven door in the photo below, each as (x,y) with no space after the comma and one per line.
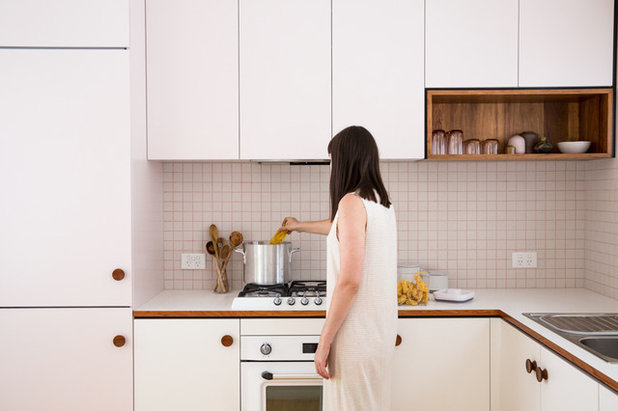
(279,386)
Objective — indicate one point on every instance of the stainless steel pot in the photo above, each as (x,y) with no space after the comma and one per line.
(265,263)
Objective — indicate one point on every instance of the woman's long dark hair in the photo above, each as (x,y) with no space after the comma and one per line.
(355,167)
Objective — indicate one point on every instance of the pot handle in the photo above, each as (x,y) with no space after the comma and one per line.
(291,253)
(241,251)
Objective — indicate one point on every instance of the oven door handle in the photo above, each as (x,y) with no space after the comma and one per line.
(270,376)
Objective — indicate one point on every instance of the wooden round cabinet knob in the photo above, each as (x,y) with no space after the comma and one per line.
(541,374)
(398,340)
(118,274)
(227,340)
(530,366)
(119,341)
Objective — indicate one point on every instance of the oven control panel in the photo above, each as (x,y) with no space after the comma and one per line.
(278,347)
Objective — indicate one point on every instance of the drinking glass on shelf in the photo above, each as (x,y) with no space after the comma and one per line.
(455,142)
(438,142)
(489,146)
(472,146)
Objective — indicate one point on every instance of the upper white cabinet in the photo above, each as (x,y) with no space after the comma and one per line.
(285,79)
(192,65)
(65,174)
(69,359)
(441,364)
(378,72)
(67,23)
(187,364)
(566,43)
(471,43)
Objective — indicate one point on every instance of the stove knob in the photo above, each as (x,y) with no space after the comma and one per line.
(291,301)
(266,349)
(317,301)
(277,301)
(304,301)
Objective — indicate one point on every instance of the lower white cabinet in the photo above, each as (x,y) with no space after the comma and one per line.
(513,388)
(68,359)
(608,400)
(187,364)
(442,364)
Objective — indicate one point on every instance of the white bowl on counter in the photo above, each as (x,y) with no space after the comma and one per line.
(573,147)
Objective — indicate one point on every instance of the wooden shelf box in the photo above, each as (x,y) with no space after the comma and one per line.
(558,114)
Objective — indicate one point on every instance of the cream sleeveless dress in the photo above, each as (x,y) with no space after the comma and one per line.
(361,353)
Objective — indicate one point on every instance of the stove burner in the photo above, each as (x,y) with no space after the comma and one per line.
(257,290)
(293,289)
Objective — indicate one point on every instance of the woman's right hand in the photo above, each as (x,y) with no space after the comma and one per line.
(289,224)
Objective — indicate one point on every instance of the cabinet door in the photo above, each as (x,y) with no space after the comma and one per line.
(65,174)
(65,359)
(512,388)
(566,388)
(378,73)
(66,23)
(285,79)
(566,43)
(192,53)
(181,364)
(442,364)
(608,400)
(471,43)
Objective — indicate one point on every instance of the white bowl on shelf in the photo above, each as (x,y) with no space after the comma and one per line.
(573,147)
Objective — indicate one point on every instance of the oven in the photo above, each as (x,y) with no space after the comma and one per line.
(278,374)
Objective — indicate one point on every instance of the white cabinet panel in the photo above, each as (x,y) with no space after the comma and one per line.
(566,387)
(512,388)
(566,43)
(65,359)
(608,400)
(192,53)
(442,364)
(181,364)
(285,79)
(471,43)
(66,23)
(378,73)
(65,174)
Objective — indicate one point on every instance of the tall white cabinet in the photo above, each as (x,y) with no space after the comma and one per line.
(65,243)
(285,79)
(471,43)
(192,74)
(378,73)
(566,43)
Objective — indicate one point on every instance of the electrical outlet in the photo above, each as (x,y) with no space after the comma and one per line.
(192,261)
(524,260)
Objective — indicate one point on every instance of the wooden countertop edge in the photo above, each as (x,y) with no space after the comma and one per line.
(588,369)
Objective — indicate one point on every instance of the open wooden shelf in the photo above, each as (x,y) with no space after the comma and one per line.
(559,114)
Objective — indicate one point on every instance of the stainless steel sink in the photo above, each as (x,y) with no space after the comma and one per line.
(596,333)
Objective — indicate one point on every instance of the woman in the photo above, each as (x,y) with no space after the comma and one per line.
(358,338)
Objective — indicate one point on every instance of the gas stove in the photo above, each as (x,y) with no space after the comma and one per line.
(293,296)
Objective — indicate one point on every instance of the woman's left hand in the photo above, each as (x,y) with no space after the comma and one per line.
(321,359)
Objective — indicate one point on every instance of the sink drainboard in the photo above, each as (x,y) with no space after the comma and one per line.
(594,324)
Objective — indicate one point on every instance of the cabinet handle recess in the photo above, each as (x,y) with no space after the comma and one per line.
(119,340)
(118,274)
(227,340)
(541,374)
(530,366)
(398,340)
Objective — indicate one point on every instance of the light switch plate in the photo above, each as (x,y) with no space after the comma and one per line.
(524,260)
(192,261)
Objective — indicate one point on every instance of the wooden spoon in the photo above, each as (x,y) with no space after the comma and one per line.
(210,249)
(235,240)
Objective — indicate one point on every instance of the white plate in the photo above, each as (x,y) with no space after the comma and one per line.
(453,294)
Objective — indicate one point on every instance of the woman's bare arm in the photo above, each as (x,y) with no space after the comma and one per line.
(315,227)
(351,234)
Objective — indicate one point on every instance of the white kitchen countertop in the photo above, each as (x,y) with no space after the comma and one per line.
(512,302)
